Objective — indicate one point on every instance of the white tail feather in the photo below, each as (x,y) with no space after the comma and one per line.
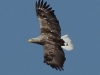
(68,45)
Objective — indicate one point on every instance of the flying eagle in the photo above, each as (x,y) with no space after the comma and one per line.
(50,36)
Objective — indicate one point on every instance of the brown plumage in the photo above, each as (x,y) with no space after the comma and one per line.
(50,36)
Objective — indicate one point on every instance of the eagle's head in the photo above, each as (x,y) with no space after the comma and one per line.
(35,40)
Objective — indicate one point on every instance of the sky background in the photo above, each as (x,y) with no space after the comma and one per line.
(80,19)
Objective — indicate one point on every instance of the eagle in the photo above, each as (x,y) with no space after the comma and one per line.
(50,36)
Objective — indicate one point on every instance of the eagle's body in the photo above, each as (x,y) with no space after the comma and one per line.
(50,37)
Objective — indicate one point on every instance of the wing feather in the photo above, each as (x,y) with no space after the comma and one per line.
(41,4)
(44,5)
(47,18)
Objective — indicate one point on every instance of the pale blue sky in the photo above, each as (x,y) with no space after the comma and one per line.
(80,19)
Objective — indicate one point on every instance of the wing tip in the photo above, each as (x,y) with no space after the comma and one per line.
(57,67)
(40,4)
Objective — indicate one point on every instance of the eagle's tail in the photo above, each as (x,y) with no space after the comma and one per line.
(68,44)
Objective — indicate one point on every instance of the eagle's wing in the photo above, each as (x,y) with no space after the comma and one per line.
(54,56)
(51,35)
(47,19)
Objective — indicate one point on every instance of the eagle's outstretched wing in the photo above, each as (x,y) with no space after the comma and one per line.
(50,35)
(54,56)
(47,19)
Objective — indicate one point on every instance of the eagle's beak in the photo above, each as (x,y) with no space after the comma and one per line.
(30,40)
